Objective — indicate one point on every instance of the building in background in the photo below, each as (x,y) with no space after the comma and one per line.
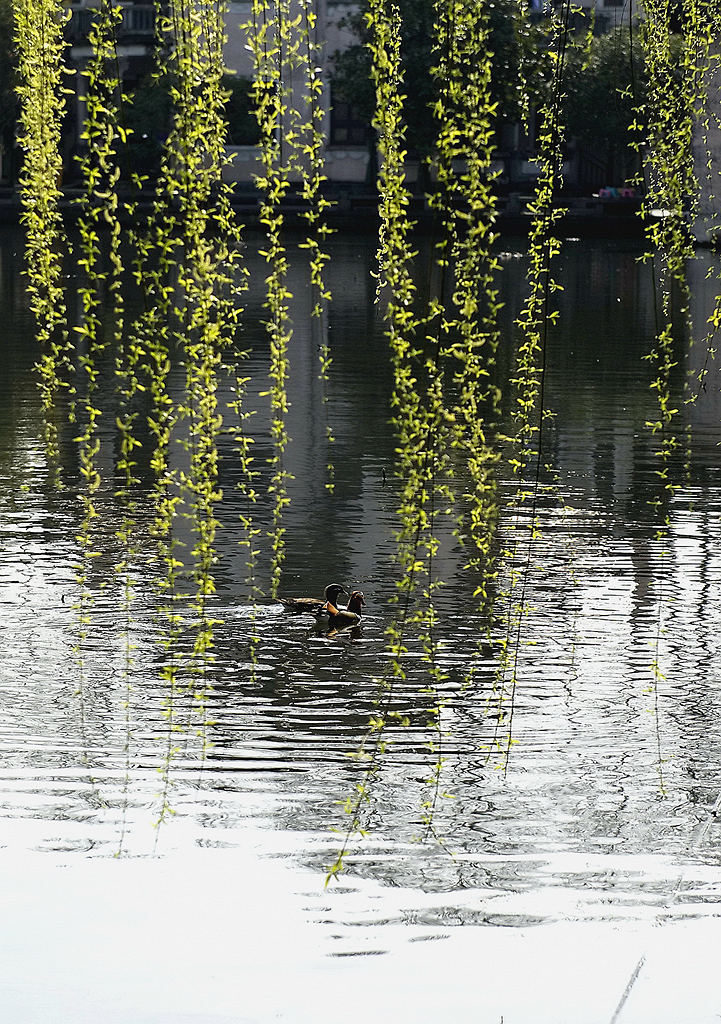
(348,143)
(135,51)
(349,153)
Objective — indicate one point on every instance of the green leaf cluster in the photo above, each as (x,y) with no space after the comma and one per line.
(516,45)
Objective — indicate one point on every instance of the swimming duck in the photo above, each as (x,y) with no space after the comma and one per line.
(339,618)
(313,605)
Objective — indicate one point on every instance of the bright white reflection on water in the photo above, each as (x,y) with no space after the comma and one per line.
(592,862)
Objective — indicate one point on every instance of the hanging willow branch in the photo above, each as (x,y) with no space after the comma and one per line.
(528,384)
(102,300)
(195,242)
(310,162)
(461,334)
(100,262)
(394,274)
(207,315)
(468,332)
(42,72)
(271,38)
(437,367)
(676,70)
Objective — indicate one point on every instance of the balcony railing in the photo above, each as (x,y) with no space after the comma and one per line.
(138,23)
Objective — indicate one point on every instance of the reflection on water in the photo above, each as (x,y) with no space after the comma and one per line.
(578,827)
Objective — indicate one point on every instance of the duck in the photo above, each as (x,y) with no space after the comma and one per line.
(313,605)
(340,618)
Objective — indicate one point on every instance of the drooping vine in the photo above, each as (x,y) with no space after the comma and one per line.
(310,161)
(104,206)
(676,67)
(460,324)
(468,322)
(528,384)
(100,293)
(205,313)
(190,267)
(273,45)
(42,76)
(394,275)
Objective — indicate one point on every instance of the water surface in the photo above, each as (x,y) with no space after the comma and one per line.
(595,850)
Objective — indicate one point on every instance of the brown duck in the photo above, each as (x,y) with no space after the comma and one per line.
(313,605)
(339,618)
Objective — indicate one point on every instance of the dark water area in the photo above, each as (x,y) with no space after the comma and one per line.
(601,832)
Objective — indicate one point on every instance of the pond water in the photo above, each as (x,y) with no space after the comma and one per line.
(581,884)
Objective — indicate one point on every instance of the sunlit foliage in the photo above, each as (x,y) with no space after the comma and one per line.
(42,89)
(678,66)
(185,260)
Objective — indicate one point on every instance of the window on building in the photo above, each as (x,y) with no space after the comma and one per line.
(347,127)
(243,127)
